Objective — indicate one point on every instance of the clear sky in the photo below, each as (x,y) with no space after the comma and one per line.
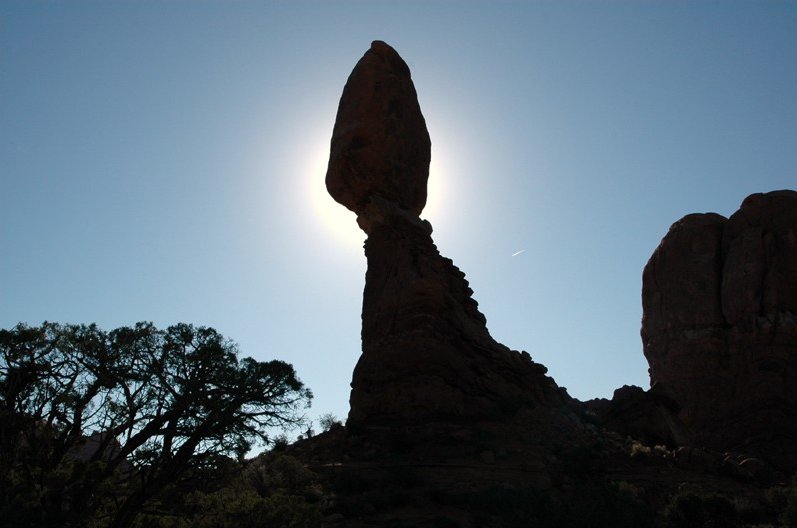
(164,161)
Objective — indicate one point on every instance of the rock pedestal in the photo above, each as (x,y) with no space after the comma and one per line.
(427,354)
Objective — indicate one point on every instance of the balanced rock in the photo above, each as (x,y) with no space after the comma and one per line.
(426,351)
(380,145)
(719,328)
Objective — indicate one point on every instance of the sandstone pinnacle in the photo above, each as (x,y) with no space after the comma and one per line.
(380,146)
(426,351)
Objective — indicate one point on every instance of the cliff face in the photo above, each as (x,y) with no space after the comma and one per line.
(720,325)
(427,354)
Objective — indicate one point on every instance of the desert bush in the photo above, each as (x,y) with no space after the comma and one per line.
(584,460)
(329,421)
(280,443)
(789,516)
(615,504)
(233,508)
(695,510)
(281,474)
(348,480)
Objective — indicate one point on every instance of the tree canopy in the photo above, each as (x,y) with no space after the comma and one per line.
(93,424)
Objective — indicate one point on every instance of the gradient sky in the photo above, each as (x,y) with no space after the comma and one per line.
(164,161)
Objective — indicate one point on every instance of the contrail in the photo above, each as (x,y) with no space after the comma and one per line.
(516,253)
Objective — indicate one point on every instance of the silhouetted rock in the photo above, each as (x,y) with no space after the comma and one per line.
(427,353)
(426,349)
(651,417)
(720,325)
(760,264)
(380,145)
(447,427)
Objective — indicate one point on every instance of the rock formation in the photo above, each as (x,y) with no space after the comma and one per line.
(427,354)
(380,145)
(648,416)
(447,427)
(720,325)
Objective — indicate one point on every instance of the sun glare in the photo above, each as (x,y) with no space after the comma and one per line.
(432,211)
(338,221)
(341,223)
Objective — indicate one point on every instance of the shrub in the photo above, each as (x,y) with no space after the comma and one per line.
(639,450)
(329,421)
(694,510)
(789,517)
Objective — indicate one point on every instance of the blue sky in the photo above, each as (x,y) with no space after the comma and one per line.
(164,161)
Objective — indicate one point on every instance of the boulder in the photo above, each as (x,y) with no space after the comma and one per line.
(380,145)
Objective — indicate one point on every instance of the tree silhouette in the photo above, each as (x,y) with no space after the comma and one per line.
(93,424)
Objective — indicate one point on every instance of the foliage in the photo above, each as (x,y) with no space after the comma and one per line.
(689,509)
(639,450)
(239,498)
(329,421)
(95,424)
(589,504)
(789,516)
(233,508)
(280,474)
(280,443)
(584,460)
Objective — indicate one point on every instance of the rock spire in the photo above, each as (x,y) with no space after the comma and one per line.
(426,351)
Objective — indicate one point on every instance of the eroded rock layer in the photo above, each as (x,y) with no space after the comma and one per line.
(720,325)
